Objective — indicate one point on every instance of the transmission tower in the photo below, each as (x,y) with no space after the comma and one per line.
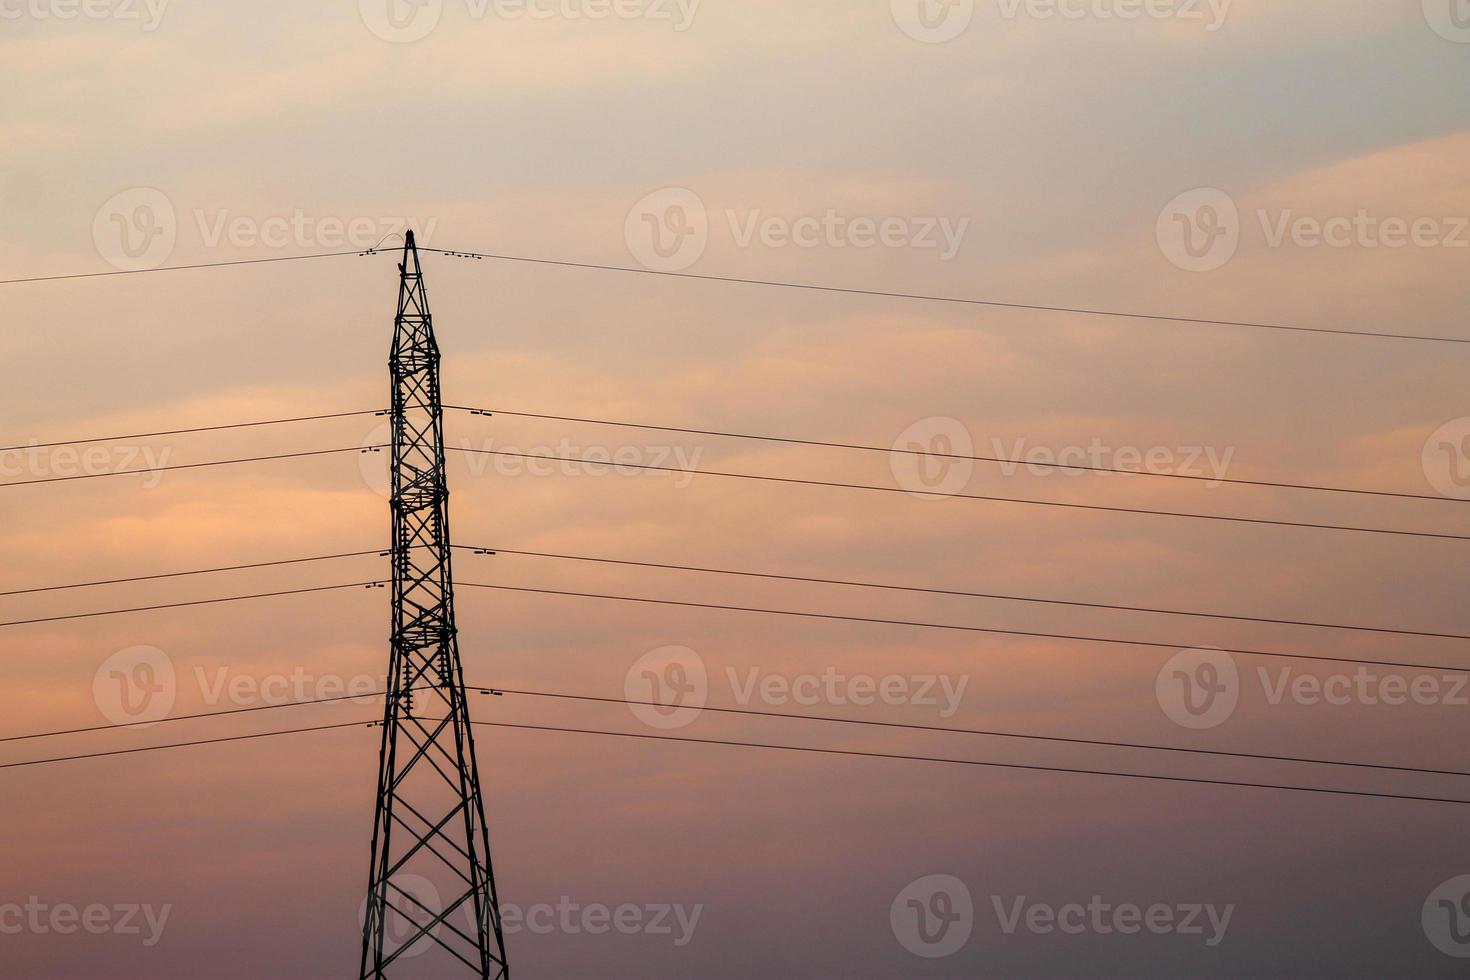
(432,909)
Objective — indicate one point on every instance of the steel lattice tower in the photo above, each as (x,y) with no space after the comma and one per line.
(432,909)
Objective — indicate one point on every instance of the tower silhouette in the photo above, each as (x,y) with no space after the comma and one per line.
(431,894)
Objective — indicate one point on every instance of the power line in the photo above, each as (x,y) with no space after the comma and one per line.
(499,691)
(754,437)
(189,466)
(976,762)
(938,455)
(181,745)
(183,268)
(887,586)
(196,571)
(950,626)
(180,432)
(196,602)
(974,496)
(955,592)
(744,609)
(966,301)
(762,745)
(973,731)
(194,717)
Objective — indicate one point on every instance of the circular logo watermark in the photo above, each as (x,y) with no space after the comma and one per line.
(401,21)
(933,917)
(1450,19)
(375,460)
(1199,231)
(933,21)
(135,687)
(673,678)
(928,457)
(1446,917)
(1446,459)
(1199,688)
(136,229)
(416,896)
(668,230)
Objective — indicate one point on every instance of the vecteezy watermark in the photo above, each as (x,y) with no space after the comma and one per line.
(401,21)
(935,916)
(136,229)
(1198,688)
(935,457)
(404,937)
(669,687)
(1450,19)
(837,688)
(1446,917)
(1205,921)
(1446,459)
(1209,14)
(38,461)
(675,683)
(1097,458)
(669,230)
(938,21)
(41,918)
(672,922)
(568,458)
(1201,688)
(406,21)
(1201,230)
(678,14)
(223,686)
(148,14)
(140,228)
(300,229)
(136,686)
(139,686)
(568,918)
(834,230)
(933,21)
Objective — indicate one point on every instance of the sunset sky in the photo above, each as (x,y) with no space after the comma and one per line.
(1040,161)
